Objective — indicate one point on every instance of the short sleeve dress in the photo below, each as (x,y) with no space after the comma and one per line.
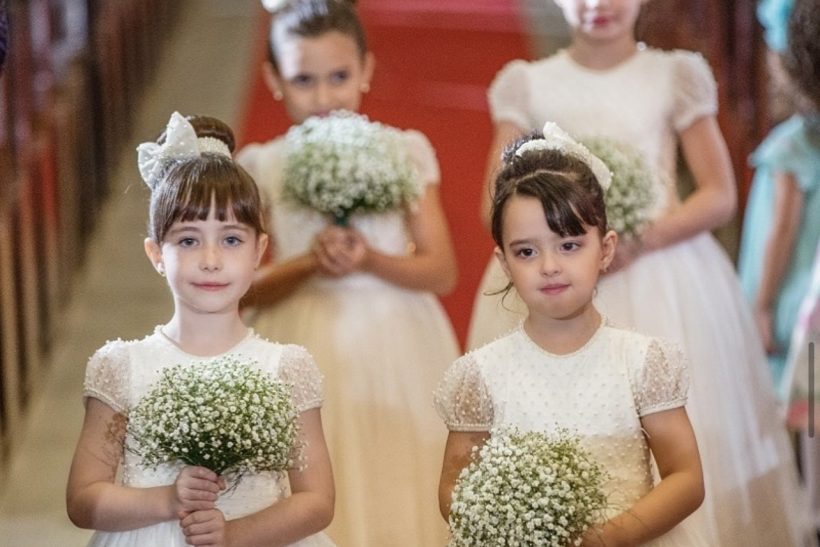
(122,372)
(599,393)
(687,293)
(381,348)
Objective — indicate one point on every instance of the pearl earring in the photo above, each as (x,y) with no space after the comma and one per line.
(277,95)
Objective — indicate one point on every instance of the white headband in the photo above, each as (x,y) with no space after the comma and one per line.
(181,142)
(556,138)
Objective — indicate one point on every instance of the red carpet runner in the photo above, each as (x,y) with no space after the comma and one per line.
(434,61)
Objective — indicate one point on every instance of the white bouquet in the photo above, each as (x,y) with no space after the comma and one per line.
(526,489)
(343,163)
(632,193)
(225,415)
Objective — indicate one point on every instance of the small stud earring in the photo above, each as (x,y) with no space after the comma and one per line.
(365,87)
(277,95)
(161,272)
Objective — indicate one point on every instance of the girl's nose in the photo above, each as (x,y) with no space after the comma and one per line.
(211,259)
(323,96)
(549,264)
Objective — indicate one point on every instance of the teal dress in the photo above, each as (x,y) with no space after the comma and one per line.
(794,147)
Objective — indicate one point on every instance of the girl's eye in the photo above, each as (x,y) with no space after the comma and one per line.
(302,80)
(233,241)
(339,77)
(525,252)
(187,242)
(570,245)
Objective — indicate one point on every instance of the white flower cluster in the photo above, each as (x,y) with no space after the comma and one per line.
(632,194)
(343,163)
(526,489)
(221,414)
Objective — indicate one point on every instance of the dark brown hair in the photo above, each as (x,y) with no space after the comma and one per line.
(189,188)
(802,56)
(566,187)
(312,18)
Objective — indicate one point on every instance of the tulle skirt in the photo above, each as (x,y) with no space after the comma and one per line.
(382,350)
(688,293)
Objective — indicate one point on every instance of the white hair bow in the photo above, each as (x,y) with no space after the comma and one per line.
(556,138)
(181,142)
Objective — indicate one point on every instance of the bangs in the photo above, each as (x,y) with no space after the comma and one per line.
(568,209)
(205,186)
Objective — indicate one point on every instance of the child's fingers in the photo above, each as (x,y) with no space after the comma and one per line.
(204,528)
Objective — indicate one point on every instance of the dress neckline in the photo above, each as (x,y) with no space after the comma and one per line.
(639,50)
(171,342)
(584,347)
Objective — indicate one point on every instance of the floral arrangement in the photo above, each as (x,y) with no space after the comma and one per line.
(526,489)
(344,163)
(631,195)
(225,415)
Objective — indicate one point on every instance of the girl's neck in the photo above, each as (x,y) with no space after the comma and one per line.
(602,56)
(563,336)
(205,336)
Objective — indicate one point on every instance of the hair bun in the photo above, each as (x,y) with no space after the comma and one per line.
(207,126)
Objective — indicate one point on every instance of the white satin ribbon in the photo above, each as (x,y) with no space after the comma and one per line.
(556,138)
(181,142)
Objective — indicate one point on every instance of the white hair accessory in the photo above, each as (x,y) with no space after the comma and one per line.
(181,142)
(556,138)
(272,6)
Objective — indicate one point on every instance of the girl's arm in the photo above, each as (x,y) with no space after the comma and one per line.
(504,134)
(457,455)
(786,217)
(677,495)
(94,501)
(307,511)
(430,267)
(714,200)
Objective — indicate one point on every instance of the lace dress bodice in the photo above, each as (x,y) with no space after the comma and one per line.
(645,101)
(122,372)
(294,226)
(598,392)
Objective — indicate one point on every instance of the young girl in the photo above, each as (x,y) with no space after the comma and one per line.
(781,227)
(674,281)
(565,367)
(361,299)
(206,235)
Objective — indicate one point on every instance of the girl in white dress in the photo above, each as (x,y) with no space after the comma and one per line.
(675,281)
(622,393)
(206,235)
(360,299)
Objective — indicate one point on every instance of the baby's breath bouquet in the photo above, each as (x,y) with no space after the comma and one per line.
(526,489)
(344,163)
(225,415)
(631,195)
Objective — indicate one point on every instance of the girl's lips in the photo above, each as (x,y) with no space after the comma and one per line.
(554,289)
(210,286)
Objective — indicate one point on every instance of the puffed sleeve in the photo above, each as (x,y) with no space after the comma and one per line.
(299,369)
(107,376)
(661,382)
(694,89)
(789,148)
(423,156)
(462,398)
(509,95)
